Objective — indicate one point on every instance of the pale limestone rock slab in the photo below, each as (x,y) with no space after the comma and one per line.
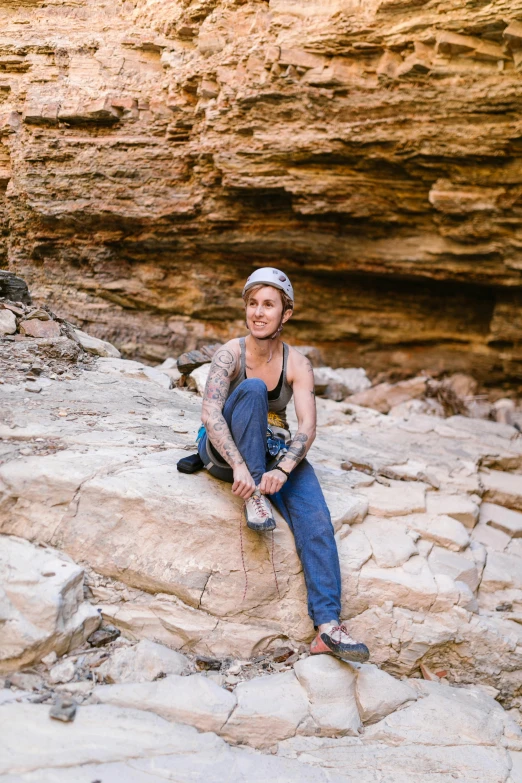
(460,507)
(442,529)
(401,497)
(330,686)
(354,550)
(490,537)
(196,763)
(379,762)
(9,695)
(411,585)
(41,599)
(169,621)
(445,716)
(345,505)
(503,519)
(60,497)
(516,770)
(458,567)
(268,710)
(96,346)
(504,489)
(99,733)
(195,700)
(143,663)
(378,694)
(131,369)
(345,509)
(391,545)
(502,571)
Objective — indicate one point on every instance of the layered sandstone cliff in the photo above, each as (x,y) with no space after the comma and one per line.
(152,153)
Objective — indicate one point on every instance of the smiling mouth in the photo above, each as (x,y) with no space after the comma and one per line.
(259,323)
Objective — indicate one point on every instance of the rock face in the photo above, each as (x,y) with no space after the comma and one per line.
(442,734)
(426,513)
(42,606)
(152,153)
(169,557)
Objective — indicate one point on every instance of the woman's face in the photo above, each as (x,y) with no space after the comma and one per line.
(264,309)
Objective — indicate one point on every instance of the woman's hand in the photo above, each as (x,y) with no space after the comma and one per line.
(244,485)
(272,482)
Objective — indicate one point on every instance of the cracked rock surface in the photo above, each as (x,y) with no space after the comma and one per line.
(96,524)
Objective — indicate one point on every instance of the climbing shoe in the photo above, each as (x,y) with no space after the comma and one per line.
(335,640)
(258,513)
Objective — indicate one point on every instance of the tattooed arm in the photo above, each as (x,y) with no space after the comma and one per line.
(302,374)
(222,370)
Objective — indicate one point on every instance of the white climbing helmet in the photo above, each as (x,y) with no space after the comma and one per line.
(268,275)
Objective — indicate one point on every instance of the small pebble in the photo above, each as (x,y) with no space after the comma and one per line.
(63,709)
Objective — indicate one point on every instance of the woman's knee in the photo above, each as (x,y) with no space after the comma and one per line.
(253,387)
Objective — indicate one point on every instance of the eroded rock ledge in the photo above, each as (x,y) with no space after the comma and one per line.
(151,152)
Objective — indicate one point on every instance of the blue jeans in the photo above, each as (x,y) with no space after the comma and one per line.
(300,500)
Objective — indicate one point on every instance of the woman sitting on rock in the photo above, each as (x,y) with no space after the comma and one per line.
(246,442)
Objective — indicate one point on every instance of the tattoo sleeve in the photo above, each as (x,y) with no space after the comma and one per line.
(296,451)
(216,392)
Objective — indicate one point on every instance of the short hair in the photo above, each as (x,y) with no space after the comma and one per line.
(287,302)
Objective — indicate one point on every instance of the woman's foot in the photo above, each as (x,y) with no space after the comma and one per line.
(258,513)
(333,639)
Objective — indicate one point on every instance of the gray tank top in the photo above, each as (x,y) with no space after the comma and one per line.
(279,403)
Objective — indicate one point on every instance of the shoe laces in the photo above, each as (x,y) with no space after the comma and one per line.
(341,630)
(260,505)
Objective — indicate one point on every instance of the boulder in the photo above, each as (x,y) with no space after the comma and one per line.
(268,709)
(170,368)
(41,594)
(195,700)
(143,662)
(443,716)
(191,360)
(35,327)
(386,396)
(96,346)
(13,287)
(312,353)
(7,322)
(378,694)
(346,380)
(330,687)
(62,672)
(198,378)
